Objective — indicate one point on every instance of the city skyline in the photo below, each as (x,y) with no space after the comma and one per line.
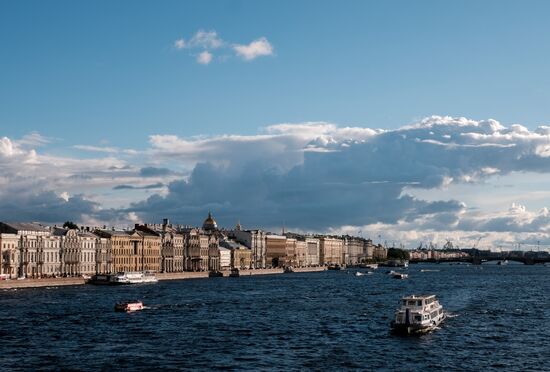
(355,118)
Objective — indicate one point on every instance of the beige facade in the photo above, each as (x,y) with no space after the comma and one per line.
(353,250)
(241,258)
(368,250)
(126,248)
(275,250)
(290,256)
(150,254)
(379,252)
(331,251)
(255,240)
(312,252)
(49,256)
(9,254)
(77,251)
(201,250)
(104,256)
(300,250)
(171,249)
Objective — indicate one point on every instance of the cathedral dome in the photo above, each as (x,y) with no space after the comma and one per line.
(209,223)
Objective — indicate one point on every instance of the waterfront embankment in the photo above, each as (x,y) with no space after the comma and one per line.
(55,282)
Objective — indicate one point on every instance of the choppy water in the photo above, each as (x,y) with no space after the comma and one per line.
(500,318)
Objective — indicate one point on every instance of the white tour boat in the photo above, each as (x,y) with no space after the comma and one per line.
(134,277)
(418,314)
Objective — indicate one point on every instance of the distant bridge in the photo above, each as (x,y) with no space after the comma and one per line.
(529,258)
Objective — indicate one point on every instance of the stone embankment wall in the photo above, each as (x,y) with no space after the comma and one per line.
(54,282)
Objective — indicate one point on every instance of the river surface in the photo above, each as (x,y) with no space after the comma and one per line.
(332,320)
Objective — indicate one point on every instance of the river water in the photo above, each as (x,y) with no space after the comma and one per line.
(499,318)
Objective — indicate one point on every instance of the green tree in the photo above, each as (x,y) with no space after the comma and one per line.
(398,254)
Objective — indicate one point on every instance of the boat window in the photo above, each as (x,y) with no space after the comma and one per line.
(419,303)
(412,303)
(418,317)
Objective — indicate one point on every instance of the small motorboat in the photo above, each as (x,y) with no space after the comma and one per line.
(418,314)
(128,306)
(398,275)
(289,269)
(234,273)
(359,273)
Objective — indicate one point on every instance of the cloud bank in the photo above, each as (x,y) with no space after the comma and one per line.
(313,176)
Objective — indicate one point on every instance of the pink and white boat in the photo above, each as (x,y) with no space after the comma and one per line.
(127,306)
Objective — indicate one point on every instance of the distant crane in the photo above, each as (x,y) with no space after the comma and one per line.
(476,243)
(449,244)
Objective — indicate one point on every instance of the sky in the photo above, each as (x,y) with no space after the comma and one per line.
(401,121)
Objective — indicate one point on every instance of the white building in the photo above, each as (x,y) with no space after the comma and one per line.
(225,258)
(255,241)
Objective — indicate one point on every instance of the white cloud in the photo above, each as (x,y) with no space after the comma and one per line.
(204,58)
(315,176)
(257,48)
(209,40)
(96,148)
(206,39)
(179,44)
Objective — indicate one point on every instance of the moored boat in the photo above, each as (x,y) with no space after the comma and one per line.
(234,273)
(289,269)
(101,279)
(418,314)
(134,277)
(133,305)
(215,274)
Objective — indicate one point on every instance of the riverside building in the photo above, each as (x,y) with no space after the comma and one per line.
(275,250)
(256,241)
(171,245)
(9,254)
(312,252)
(29,245)
(353,250)
(331,251)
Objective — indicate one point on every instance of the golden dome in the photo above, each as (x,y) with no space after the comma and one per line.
(210,223)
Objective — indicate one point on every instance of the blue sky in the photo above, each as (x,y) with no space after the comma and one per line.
(110,67)
(91,93)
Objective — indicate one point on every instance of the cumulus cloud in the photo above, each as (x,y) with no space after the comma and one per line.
(257,48)
(204,58)
(206,39)
(210,40)
(314,176)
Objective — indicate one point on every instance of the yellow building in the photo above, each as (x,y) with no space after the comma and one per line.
(151,244)
(126,248)
(241,258)
(275,250)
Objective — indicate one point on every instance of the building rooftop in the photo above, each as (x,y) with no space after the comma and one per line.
(21,226)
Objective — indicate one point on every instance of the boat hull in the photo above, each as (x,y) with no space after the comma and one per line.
(415,329)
